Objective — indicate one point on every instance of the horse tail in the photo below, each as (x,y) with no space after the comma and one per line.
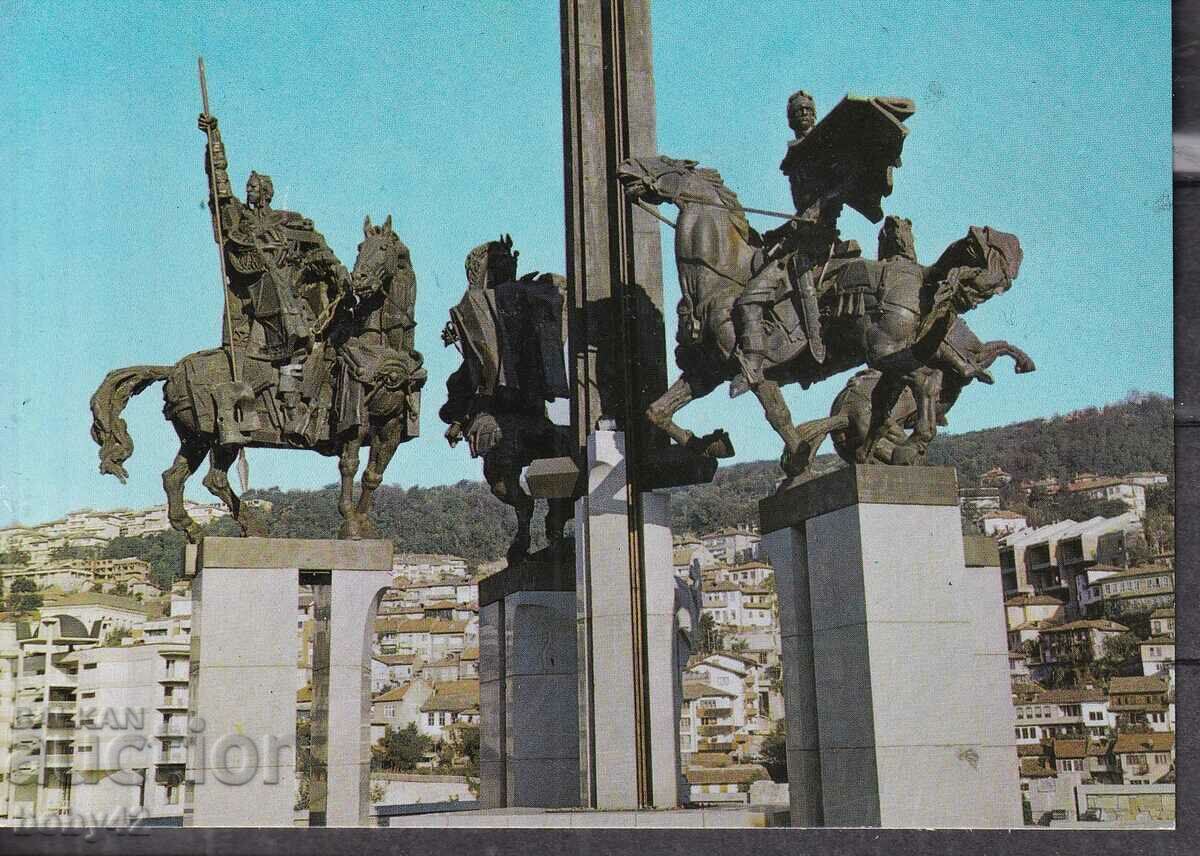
(108,428)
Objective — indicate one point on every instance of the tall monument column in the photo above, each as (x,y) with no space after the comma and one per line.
(618,366)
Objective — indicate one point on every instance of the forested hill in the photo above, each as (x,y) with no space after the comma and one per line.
(1133,435)
(464,519)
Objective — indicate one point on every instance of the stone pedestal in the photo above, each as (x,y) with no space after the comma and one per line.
(529,741)
(899,712)
(242,699)
(610,617)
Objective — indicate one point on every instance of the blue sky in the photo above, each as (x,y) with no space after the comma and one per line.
(1050,120)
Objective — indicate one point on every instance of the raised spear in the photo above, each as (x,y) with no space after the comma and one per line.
(243,468)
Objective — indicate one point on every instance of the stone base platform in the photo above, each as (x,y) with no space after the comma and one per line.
(741,817)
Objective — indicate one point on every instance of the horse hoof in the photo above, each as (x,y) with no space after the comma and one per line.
(905,456)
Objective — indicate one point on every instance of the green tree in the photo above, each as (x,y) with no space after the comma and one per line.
(24,596)
(14,557)
(304,761)
(774,751)
(69,551)
(162,550)
(710,639)
(1120,652)
(401,750)
(1159,528)
(114,637)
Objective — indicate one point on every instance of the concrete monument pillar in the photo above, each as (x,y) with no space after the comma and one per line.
(242,697)
(616,608)
(898,712)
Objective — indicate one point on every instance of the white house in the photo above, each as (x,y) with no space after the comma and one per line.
(999,522)
(115,611)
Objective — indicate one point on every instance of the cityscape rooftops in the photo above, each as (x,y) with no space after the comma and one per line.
(697,689)
(1080,748)
(1136,684)
(92,598)
(1033,600)
(1070,695)
(394,694)
(1035,768)
(396,659)
(1146,741)
(453,696)
(1086,624)
(735,774)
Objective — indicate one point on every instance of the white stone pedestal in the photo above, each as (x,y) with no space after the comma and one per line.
(242,698)
(899,712)
(609,620)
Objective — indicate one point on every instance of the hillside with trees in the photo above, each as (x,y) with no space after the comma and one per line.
(464,519)
(1133,435)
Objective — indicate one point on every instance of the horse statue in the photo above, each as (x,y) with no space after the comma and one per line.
(510,332)
(364,379)
(899,318)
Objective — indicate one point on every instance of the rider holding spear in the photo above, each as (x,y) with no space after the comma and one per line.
(280,274)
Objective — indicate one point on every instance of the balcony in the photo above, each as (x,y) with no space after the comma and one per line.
(62,707)
(31,682)
(60,733)
(175,702)
(173,676)
(171,731)
(175,755)
(63,679)
(59,761)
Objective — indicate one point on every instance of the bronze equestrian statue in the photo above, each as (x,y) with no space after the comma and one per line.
(312,358)
(799,305)
(510,332)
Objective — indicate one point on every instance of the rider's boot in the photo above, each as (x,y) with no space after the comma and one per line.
(752,340)
(295,411)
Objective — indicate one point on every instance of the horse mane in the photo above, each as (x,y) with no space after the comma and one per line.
(728,198)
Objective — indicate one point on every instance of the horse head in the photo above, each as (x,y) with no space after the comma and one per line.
(656,179)
(492,263)
(382,257)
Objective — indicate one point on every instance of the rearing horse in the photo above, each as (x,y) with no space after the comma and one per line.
(367,359)
(911,335)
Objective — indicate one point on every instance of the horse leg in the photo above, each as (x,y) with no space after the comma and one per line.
(926,387)
(383,446)
(813,433)
(217,482)
(780,418)
(187,460)
(884,396)
(990,351)
(685,390)
(347,467)
(505,482)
